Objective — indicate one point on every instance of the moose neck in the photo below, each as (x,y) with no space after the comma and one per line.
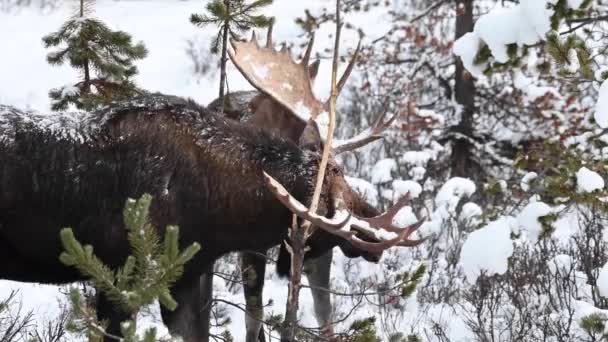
(220,171)
(230,161)
(245,152)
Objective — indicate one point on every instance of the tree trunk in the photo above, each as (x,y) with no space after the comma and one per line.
(87,72)
(206,287)
(462,163)
(290,324)
(87,78)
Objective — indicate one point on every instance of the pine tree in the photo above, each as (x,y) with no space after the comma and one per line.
(104,57)
(146,275)
(232,17)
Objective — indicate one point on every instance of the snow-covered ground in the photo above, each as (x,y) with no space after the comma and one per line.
(164,27)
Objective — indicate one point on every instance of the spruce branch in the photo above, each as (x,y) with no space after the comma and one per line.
(146,275)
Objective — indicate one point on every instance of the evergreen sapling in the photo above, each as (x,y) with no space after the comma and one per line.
(104,57)
(232,17)
(146,276)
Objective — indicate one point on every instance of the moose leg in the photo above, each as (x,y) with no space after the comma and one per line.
(253,269)
(112,314)
(206,302)
(185,320)
(318,271)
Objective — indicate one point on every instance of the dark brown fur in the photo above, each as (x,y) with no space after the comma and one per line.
(204,171)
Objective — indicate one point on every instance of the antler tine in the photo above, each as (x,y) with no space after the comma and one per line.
(269,35)
(349,68)
(301,210)
(306,57)
(380,125)
(366,137)
(402,239)
(385,220)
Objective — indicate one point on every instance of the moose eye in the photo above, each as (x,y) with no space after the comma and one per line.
(335,169)
(312,147)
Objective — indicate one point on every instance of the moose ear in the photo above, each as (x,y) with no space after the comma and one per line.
(311,138)
(313,69)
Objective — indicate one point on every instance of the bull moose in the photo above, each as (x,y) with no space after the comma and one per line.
(212,176)
(265,108)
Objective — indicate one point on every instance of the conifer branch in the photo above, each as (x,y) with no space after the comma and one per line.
(146,275)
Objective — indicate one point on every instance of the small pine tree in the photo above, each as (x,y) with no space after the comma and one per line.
(232,17)
(146,275)
(104,57)
(594,325)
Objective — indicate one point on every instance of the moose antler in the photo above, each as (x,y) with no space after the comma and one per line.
(276,74)
(346,225)
(367,136)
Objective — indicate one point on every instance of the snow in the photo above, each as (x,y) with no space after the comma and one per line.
(566,227)
(575,3)
(366,189)
(382,171)
(530,89)
(487,250)
(43,299)
(573,65)
(527,179)
(538,13)
(601,107)
(526,23)
(470,211)
(561,263)
(76,126)
(602,281)
(452,191)
(431,114)
(588,181)
(416,158)
(69,90)
(466,48)
(302,111)
(417,173)
(402,187)
(528,219)
(405,217)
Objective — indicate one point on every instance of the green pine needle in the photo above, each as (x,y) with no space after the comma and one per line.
(147,274)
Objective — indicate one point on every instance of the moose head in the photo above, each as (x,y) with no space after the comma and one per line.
(287,105)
